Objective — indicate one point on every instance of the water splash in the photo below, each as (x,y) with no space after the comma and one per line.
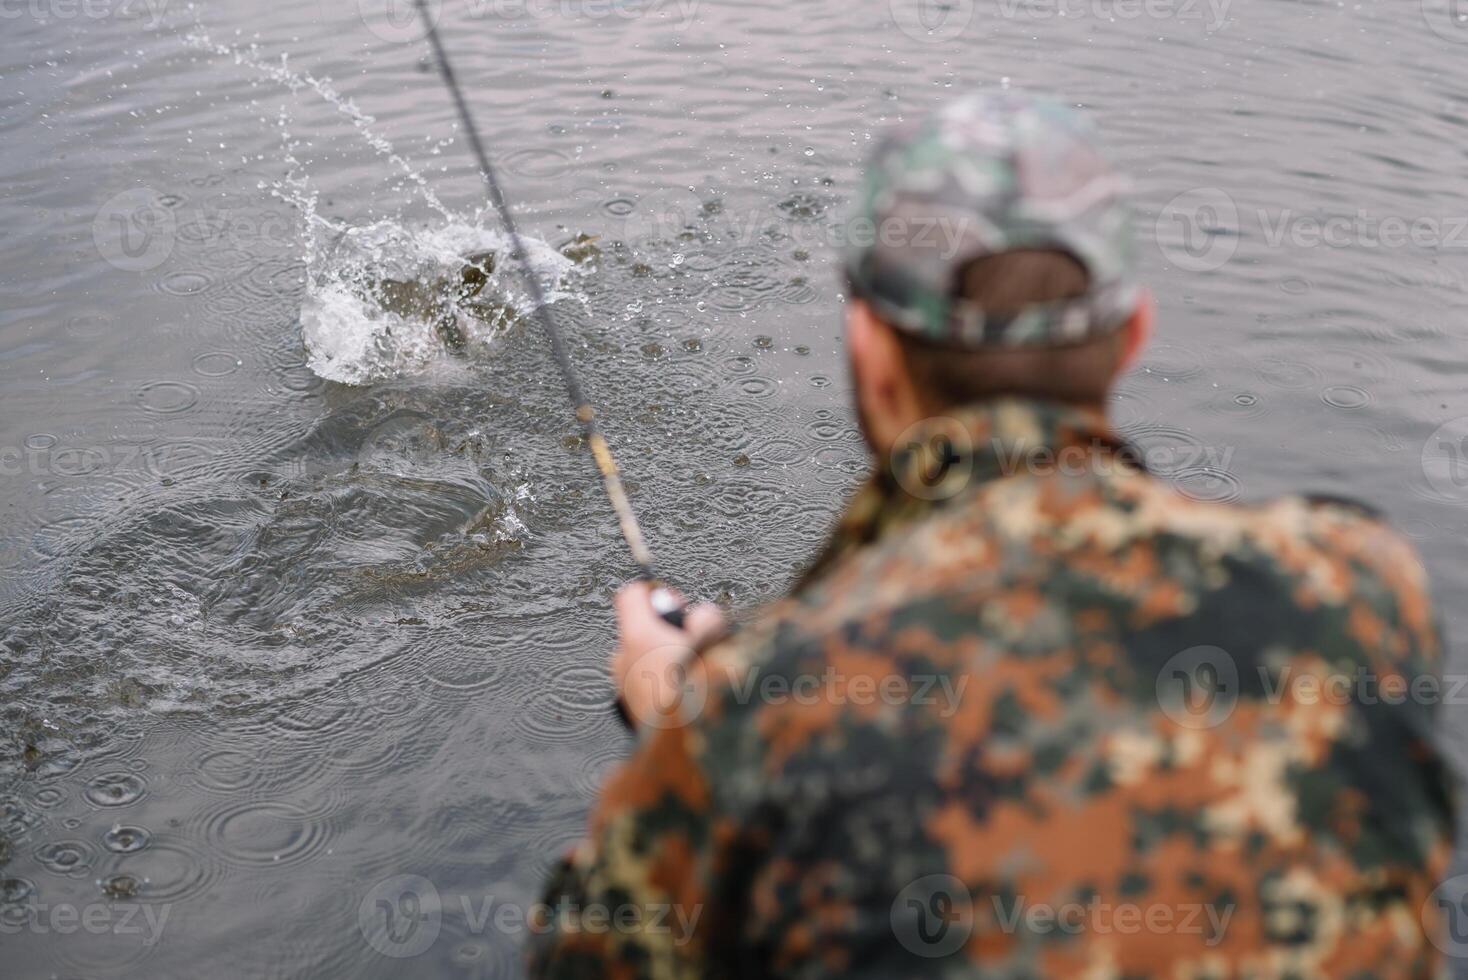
(388,301)
(385,300)
(281,73)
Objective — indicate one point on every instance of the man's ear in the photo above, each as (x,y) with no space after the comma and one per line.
(858,342)
(875,359)
(1137,331)
(886,400)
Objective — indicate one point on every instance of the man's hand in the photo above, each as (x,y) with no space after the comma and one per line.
(651,664)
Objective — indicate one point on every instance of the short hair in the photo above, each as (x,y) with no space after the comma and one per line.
(1005,283)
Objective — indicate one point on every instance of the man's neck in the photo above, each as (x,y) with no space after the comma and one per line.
(884,439)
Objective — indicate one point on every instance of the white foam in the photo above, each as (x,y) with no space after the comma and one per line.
(350,339)
(348,336)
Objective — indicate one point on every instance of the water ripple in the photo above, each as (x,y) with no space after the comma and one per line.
(170,869)
(167,397)
(116,789)
(265,833)
(1348,397)
(1206,484)
(184,283)
(67,858)
(126,840)
(217,364)
(1290,375)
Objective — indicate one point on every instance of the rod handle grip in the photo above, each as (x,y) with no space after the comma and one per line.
(671,611)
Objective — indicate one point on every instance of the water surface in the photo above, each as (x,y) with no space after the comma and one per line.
(269,642)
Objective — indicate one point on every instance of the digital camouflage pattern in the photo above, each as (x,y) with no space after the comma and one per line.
(989,173)
(1098,704)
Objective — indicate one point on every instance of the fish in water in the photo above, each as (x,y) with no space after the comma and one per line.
(443,301)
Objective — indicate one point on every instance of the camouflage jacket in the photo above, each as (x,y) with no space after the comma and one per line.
(1036,713)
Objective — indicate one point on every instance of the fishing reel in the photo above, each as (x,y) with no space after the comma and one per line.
(669,607)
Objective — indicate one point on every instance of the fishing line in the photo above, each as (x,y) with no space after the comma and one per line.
(664,601)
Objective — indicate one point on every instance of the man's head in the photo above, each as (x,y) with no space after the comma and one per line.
(991,255)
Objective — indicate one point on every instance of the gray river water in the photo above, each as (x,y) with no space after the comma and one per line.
(269,641)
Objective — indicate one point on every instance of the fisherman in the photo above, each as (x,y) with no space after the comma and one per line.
(1033,712)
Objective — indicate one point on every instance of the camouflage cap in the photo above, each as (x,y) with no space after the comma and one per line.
(991,173)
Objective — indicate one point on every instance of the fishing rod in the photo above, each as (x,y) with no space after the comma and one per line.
(663,600)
